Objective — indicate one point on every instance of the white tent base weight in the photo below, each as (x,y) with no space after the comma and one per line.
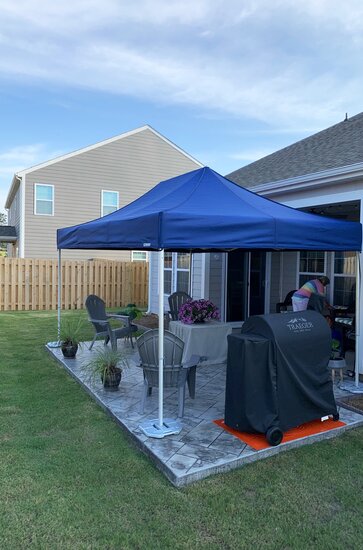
(352,387)
(56,344)
(152,428)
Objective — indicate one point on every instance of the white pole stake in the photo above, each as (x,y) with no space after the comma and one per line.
(161,336)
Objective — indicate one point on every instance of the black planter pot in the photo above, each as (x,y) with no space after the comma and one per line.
(69,350)
(112,380)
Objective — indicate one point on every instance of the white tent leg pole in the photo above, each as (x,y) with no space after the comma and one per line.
(161,426)
(161,336)
(357,319)
(59,305)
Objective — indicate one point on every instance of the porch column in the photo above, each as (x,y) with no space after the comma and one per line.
(358,315)
(359,318)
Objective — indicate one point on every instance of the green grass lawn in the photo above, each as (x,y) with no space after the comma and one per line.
(69,478)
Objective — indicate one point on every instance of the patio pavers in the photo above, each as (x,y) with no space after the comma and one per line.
(202,448)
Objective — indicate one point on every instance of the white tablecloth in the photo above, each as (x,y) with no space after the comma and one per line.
(206,339)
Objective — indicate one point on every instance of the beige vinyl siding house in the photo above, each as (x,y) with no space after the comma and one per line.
(72,189)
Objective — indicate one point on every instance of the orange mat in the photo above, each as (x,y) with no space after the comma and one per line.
(259,442)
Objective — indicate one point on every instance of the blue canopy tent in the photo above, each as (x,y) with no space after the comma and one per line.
(203,211)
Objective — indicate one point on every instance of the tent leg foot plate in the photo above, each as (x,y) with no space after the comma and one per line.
(152,428)
(56,344)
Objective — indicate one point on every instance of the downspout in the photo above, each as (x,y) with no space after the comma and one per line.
(191,273)
(21,252)
(281,276)
(149,285)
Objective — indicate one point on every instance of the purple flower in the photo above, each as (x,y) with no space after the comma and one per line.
(195,311)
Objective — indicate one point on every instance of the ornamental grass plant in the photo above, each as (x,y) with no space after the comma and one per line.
(105,363)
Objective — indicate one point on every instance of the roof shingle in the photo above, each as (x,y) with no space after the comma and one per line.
(339,145)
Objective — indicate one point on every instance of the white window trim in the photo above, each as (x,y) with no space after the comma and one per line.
(174,271)
(35,198)
(338,275)
(316,274)
(138,259)
(171,269)
(183,270)
(102,204)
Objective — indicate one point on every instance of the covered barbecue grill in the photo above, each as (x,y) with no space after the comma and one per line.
(277,374)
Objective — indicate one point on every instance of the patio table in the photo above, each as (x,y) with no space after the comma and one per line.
(207,339)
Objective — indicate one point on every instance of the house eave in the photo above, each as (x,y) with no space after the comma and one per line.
(12,191)
(19,175)
(332,176)
(101,144)
(6,239)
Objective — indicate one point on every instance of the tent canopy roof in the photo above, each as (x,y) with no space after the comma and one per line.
(201,211)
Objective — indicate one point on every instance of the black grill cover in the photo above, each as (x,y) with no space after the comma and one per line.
(277,374)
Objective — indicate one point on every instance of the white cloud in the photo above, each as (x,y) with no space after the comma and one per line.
(17,158)
(282,62)
(250,155)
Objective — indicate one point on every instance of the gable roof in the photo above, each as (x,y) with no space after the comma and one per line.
(337,146)
(17,177)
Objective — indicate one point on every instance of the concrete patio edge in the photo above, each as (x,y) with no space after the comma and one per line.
(202,473)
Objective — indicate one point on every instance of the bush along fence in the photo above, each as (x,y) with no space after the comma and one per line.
(32,284)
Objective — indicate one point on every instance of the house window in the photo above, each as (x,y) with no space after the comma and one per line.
(43,199)
(344,279)
(312,264)
(138,256)
(109,202)
(168,272)
(182,271)
(176,272)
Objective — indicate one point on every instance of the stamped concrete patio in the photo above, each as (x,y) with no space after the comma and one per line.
(202,448)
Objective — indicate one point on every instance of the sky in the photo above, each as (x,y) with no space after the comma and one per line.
(228,82)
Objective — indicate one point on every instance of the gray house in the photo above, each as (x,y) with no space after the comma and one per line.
(322,174)
(87,184)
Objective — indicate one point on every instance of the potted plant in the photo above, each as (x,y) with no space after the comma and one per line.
(70,336)
(132,311)
(108,365)
(198,311)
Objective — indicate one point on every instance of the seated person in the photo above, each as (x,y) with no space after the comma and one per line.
(301,297)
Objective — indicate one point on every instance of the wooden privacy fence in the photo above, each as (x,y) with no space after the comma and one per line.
(33,284)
